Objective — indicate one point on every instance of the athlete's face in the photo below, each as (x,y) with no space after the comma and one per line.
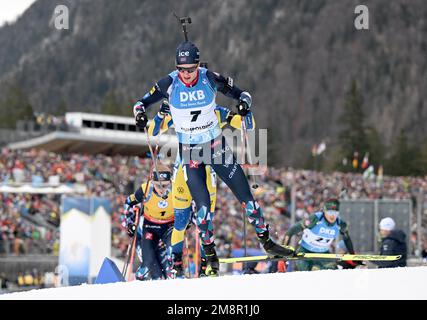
(161,186)
(331,216)
(187,72)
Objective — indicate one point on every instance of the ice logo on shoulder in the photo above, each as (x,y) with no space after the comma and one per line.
(192,96)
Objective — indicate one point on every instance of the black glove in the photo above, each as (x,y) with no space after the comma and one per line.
(141,119)
(243,108)
(130,229)
(244,105)
(128,219)
(164,109)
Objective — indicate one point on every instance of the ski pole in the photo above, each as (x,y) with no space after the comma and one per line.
(244,210)
(131,247)
(154,156)
(197,252)
(255,184)
(132,254)
(128,255)
(186,257)
(125,266)
(244,235)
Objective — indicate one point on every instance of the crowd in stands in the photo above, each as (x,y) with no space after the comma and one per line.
(114,177)
(19,235)
(45,121)
(30,279)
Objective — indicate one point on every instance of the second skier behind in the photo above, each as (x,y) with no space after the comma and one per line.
(319,232)
(157,225)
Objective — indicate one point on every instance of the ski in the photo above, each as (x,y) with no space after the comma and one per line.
(313,256)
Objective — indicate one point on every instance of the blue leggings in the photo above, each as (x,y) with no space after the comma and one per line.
(152,257)
(182,219)
(218,154)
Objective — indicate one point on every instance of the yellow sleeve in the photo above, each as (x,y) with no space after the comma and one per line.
(221,123)
(143,186)
(143,189)
(166,123)
(155,128)
(151,128)
(236,122)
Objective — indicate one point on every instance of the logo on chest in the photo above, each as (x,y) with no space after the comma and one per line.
(162,204)
(192,96)
(327,231)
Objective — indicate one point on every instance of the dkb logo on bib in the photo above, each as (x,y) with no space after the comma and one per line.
(191,96)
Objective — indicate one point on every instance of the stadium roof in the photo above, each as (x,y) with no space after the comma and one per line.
(95,141)
(94,134)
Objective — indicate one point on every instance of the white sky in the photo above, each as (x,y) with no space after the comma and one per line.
(11,9)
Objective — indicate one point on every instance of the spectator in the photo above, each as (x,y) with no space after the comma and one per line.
(424,246)
(20,279)
(4,281)
(18,244)
(393,242)
(28,279)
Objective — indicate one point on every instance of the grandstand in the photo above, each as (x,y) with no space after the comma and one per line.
(93,134)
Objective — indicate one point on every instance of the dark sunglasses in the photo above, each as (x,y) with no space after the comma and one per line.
(189,70)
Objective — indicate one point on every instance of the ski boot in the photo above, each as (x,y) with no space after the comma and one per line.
(177,268)
(142,273)
(273,248)
(212,267)
(250,270)
(203,266)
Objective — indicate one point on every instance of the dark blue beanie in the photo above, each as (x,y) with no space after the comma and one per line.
(187,53)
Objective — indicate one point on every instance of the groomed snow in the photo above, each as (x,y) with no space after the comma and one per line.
(399,283)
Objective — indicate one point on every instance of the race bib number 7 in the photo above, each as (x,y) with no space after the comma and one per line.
(195,114)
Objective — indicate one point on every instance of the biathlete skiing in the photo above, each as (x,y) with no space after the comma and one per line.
(154,230)
(181,194)
(191,92)
(319,232)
